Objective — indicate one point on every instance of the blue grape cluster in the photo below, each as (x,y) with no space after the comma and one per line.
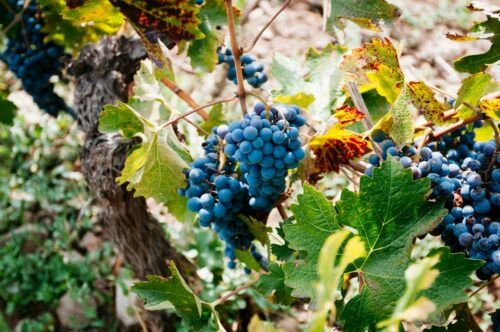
(253,72)
(217,196)
(33,60)
(467,173)
(267,145)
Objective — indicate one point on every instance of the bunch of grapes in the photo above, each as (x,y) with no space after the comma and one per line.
(467,173)
(253,72)
(266,143)
(217,196)
(33,60)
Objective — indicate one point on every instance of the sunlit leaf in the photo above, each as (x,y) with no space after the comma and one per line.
(472,90)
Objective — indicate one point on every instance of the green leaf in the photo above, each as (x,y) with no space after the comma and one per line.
(245,257)
(158,292)
(411,306)
(323,80)
(402,119)
(472,90)
(315,221)
(7,110)
(283,252)
(487,30)
(257,325)
(453,279)
(331,272)
(203,51)
(274,283)
(73,28)
(215,118)
(388,213)
(153,168)
(365,13)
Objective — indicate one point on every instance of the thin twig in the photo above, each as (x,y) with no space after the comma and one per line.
(486,284)
(183,95)
(282,211)
(17,18)
(234,292)
(196,126)
(225,100)
(236,55)
(440,133)
(360,104)
(257,37)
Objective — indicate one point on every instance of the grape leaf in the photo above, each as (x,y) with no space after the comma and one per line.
(487,30)
(330,274)
(282,252)
(411,306)
(375,66)
(215,118)
(388,213)
(160,293)
(7,110)
(402,119)
(257,228)
(301,99)
(274,283)
(245,257)
(453,279)
(338,145)
(491,107)
(366,13)
(71,27)
(315,218)
(167,20)
(153,168)
(203,51)
(472,90)
(423,99)
(323,80)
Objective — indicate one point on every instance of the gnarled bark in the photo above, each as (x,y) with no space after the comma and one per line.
(103,73)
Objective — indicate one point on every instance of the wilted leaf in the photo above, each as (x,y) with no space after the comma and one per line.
(491,108)
(338,145)
(366,13)
(96,12)
(170,21)
(402,119)
(425,102)
(375,66)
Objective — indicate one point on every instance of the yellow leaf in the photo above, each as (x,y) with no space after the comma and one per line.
(301,99)
(491,108)
(339,145)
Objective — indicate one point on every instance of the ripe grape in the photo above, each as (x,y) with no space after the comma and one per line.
(253,72)
(33,59)
(467,173)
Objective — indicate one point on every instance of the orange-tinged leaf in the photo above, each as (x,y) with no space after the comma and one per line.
(171,21)
(375,66)
(339,145)
(425,102)
(491,108)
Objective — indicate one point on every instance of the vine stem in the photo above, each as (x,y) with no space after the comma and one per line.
(282,211)
(236,55)
(497,134)
(440,133)
(17,18)
(195,110)
(486,284)
(184,96)
(234,292)
(268,24)
(427,132)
